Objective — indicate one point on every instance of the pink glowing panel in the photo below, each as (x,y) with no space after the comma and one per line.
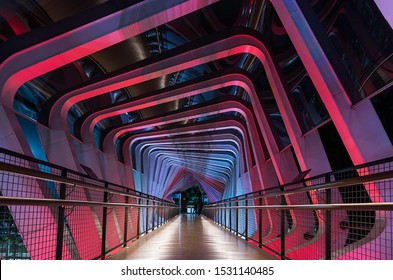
(211,141)
(155,152)
(223,107)
(225,79)
(70,46)
(211,83)
(233,44)
(183,131)
(188,130)
(14,21)
(150,154)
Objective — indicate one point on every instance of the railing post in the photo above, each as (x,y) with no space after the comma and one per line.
(162,213)
(60,220)
(125,221)
(138,225)
(246,217)
(222,214)
(282,226)
(328,224)
(230,216)
(153,213)
(219,214)
(165,213)
(260,221)
(237,217)
(159,214)
(225,215)
(104,223)
(147,215)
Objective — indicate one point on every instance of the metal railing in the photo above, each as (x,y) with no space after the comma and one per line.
(51,212)
(341,215)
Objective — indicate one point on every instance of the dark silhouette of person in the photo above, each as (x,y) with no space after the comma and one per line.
(184,205)
(195,207)
(198,207)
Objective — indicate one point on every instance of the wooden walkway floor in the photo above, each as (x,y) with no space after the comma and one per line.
(191,237)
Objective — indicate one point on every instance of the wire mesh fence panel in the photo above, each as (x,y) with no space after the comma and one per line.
(84,178)
(13,185)
(242,218)
(24,227)
(142,217)
(81,223)
(119,215)
(375,168)
(6,158)
(222,215)
(226,220)
(113,237)
(301,226)
(150,210)
(28,232)
(161,214)
(173,212)
(213,212)
(208,212)
(11,241)
(365,241)
(315,181)
(257,233)
(252,226)
(368,233)
(305,239)
(271,227)
(169,214)
(156,216)
(31,164)
(234,217)
(268,221)
(80,233)
(273,241)
(132,220)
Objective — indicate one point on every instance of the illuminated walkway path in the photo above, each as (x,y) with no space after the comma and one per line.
(190,237)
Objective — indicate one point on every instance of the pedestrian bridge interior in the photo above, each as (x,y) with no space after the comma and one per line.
(196,129)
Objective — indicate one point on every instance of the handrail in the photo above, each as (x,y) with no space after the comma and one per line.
(8,200)
(331,185)
(387,206)
(10,168)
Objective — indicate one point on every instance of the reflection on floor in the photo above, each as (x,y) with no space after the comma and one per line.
(189,237)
